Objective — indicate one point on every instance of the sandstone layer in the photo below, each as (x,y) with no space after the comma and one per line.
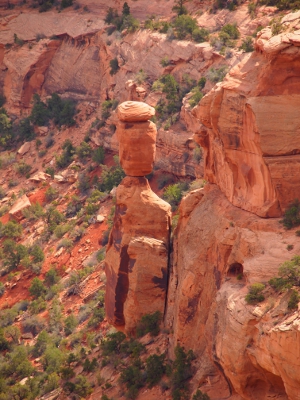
(248,126)
(137,254)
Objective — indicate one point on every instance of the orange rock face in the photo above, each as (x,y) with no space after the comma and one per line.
(137,254)
(206,308)
(137,147)
(249,128)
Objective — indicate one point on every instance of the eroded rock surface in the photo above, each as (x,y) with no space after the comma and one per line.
(248,126)
(206,308)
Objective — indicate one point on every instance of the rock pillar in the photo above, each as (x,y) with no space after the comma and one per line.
(136,261)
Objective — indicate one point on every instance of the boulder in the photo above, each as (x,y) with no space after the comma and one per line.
(24,148)
(16,210)
(134,111)
(39,177)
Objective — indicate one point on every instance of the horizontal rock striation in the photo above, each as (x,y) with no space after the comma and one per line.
(248,126)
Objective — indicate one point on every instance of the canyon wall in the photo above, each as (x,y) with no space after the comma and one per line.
(248,126)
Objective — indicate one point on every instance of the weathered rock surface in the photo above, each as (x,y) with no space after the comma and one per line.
(16,210)
(137,147)
(137,254)
(214,241)
(249,128)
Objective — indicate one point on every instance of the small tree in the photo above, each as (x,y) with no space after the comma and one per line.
(126,9)
(179,7)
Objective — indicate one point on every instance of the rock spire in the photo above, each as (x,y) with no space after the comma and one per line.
(136,262)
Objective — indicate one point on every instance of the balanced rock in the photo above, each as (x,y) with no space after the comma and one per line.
(136,262)
(134,111)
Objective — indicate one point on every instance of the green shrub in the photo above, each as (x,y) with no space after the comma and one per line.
(51,194)
(228,34)
(149,323)
(184,26)
(71,323)
(82,386)
(52,359)
(200,396)
(112,343)
(10,230)
(25,130)
(164,62)
(84,151)
(294,300)
(217,75)
(51,277)
(255,293)
(200,35)
(114,66)
(39,114)
(34,212)
(247,44)
(182,372)
(2,289)
(291,216)
(111,177)
(23,169)
(37,253)
(133,378)
(98,155)
(33,324)
(289,275)
(173,193)
(179,7)
(66,157)
(37,306)
(50,171)
(61,111)
(14,253)
(66,3)
(196,96)
(61,230)
(37,288)
(155,369)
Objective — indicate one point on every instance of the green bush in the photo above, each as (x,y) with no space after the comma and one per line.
(112,343)
(66,157)
(179,7)
(39,114)
(98,155)
(196,96)
(200,35)
(52,359)
(37,253)
(2,289)
(247,44)
(11,230)
(289,275)
(70,323)
(294,300)
(23,169)
(33,324)
(82,386)
(14,253)
(173,193)
(66,3)
(25,130)
(37,288)
(149,323)
(155,369)
(228,34)
(255,293)
(184,26)
(111,177)
(217,75)
(84,151)
(200,396)
(291,216)
(182,372)
(133,378)
(51,194)
(114,66)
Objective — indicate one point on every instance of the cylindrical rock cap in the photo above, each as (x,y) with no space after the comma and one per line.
(134,111)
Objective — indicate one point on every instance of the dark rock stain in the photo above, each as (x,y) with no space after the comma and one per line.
(161,282)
